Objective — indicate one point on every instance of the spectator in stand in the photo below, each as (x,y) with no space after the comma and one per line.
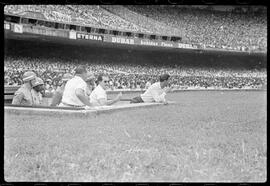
(129,75)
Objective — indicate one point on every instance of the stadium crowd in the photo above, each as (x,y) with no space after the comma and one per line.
(242,31)
(131,76)
(90,15)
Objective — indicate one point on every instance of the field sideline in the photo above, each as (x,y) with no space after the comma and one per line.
(208,136)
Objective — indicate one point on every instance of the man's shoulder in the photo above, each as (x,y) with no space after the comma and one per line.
(155,85)
(76,81)
(22,89)
(99,89)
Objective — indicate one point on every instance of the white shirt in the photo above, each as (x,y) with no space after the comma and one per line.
(97,93)
(154,94)
(69,95)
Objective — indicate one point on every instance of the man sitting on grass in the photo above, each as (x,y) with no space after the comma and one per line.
(156,92)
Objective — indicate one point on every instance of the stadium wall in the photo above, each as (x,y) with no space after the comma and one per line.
(96,51)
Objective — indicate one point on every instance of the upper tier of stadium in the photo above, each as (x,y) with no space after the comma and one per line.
(219,29)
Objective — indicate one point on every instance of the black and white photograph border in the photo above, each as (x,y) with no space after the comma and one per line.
(135,93)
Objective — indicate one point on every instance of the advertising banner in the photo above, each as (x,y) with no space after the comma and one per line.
(90,36)
(148,42)
(7,26)
(46,31)
(120,40)
(18,28)
(183,45)
(72,35)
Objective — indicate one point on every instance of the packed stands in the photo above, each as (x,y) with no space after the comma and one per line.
(131,76)
(151,24)
(215,29)
(88,15)
(246,31)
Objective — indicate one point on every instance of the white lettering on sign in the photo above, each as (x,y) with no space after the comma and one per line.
(88,36)
(151,43)
(166,44)
(122,40)
(182,45)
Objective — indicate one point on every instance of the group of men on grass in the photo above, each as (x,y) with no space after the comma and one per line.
(78,90)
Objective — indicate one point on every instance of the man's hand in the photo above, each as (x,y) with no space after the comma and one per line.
(168,89)
(119,96)
(165,102)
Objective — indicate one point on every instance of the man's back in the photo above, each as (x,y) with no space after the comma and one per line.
(22,96)
(154,93)
(69,94)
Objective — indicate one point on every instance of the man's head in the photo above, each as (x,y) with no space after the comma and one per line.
(38,84)
(81,71)
(29,77)
(65,78)
(103,81)
(90,80)
(164,80)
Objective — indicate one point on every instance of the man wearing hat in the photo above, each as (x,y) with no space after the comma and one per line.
(74,93)
(58,94)
(23,95)
(38,88)
(156,92)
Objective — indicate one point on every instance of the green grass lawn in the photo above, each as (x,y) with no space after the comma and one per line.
(207,136)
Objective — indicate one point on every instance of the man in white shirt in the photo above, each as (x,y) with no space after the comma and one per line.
(98,97)
(74,94)
(156,92)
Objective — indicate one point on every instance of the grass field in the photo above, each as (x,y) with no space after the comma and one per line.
(208,136)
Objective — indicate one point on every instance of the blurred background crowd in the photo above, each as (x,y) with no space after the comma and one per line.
(240,28)
(131,76)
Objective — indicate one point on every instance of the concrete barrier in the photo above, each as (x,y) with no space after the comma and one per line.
(79,112)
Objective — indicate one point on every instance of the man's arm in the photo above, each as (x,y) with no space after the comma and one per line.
(103,101)
(57,98)
(161,97)
(81,96)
